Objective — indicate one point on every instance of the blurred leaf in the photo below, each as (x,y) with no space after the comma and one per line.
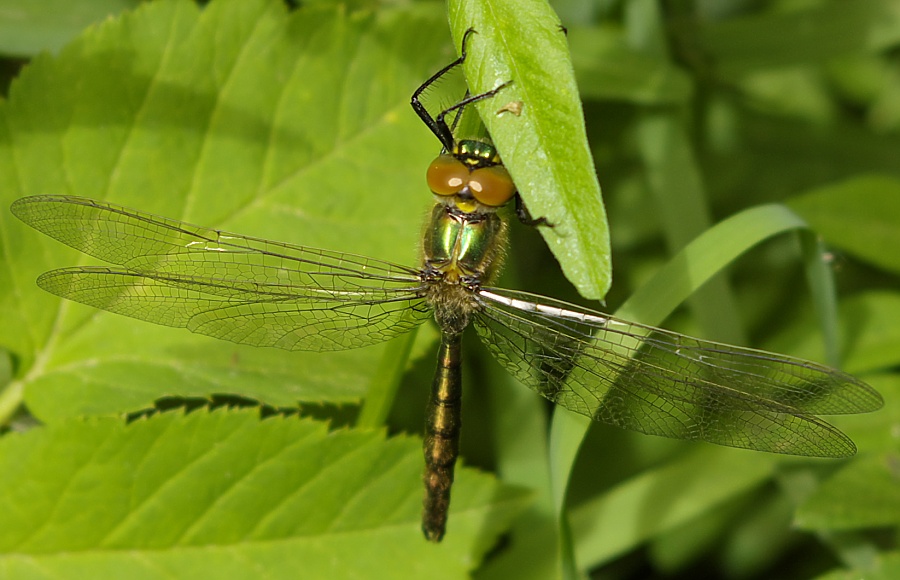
(676,548)
(858,77)
(232,133)
(887,567)
(28,27)
(860,215)
(607,69)
(872,331)
(226,494)
(704,257)
(545,147)
(794,92)
(774,159)
(682,203)
(661,499)
(863,494)
(825,30)
(876,432)
(762,536)
(869,328)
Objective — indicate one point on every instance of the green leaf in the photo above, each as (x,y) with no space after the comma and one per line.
(294,127)
(545,147)
(861,495)
(28,27)
(860,215)
(226,494)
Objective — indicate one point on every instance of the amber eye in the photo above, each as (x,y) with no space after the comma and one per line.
(447,175)
(492,185)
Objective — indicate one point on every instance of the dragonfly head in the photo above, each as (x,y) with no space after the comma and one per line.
(471,178)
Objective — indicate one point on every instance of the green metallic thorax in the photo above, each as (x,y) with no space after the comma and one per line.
(463,246)
(461,251)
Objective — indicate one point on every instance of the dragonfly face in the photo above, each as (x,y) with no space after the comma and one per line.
(299,298)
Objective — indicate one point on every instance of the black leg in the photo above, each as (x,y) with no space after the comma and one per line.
(525,217)
(468,101)
(438,125)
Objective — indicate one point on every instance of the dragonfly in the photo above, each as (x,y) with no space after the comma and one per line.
(270,294)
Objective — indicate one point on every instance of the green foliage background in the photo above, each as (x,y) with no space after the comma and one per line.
(777,120)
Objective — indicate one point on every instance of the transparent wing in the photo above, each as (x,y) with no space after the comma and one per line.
(664,383)
(229,286)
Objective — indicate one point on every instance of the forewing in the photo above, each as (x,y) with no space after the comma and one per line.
(145,242)
(229,286)
(664,383)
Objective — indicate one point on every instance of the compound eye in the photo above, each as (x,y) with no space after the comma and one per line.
(492,185)
(447,175)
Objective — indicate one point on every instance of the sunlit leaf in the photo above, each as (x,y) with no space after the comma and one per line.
(227,494)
